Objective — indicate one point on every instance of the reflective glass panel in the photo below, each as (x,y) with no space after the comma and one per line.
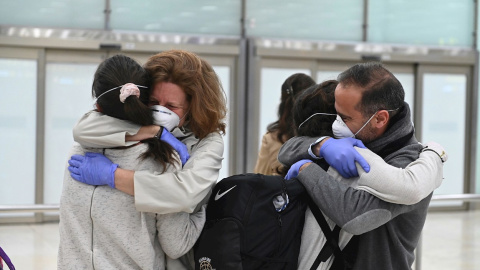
(68,97)
(270,94)
(327,75)
(220,17)
(18,110)
(224,76)
(443,112)
(306,19)
(428,22)
(408,82)
(87,14)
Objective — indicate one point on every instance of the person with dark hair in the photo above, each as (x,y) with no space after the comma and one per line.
(313,116)
(188,103)
(281,130)
(370,107)
(99,225)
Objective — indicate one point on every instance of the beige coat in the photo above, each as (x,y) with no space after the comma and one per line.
(267,162)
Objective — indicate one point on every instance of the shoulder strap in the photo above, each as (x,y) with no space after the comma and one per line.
(6,259)
(331,245)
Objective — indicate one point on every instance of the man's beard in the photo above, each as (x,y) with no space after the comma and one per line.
(367,134)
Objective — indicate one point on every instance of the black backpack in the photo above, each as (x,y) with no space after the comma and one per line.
(244,230)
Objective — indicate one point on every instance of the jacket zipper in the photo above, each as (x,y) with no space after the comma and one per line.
(280,229)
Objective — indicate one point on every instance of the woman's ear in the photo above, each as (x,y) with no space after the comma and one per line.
(381,120)
(98,107)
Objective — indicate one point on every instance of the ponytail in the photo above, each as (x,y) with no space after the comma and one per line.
(111,77)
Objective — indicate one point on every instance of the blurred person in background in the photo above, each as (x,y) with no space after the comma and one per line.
(281,130)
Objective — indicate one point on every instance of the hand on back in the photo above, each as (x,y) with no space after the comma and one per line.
(340,154)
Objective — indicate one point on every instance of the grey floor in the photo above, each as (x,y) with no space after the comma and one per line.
(450,241)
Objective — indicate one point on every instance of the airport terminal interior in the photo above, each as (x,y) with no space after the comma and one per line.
(49,51)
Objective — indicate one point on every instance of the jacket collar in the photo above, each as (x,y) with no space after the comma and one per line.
(399,133)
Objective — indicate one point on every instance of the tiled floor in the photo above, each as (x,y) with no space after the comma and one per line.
(31,247)
(451,240)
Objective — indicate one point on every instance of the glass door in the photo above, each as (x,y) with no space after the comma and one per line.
(68,88)
(264,99)
(445,117)
(18,115)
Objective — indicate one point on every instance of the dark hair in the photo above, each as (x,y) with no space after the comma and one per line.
(204,92)
(293,85)
(381,89)
(319,98)
(117,71)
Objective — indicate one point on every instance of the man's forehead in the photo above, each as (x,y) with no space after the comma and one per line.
(347,98)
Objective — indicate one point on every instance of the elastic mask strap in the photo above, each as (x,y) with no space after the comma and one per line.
(365,124)
(371,119)
(184,115)
(313,116)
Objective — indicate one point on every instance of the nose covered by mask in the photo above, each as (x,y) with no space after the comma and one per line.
(341,130)
(164,117)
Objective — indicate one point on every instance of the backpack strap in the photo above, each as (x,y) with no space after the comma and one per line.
(6,259)
(331,244)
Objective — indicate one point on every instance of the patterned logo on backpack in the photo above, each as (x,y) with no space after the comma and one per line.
(205,264)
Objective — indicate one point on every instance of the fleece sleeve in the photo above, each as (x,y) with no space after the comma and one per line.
(295,149)
(178,232)
(356,211)
(97,130)
(183,190)
(396,185)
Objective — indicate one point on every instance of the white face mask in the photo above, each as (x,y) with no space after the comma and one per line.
(164,117)
(341,130)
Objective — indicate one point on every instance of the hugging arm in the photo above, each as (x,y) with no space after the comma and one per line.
(98,130)
(338,153)
(178,232)
(185,189)
(163,193)
(295,149)
(380,195)
(397,185)
(355,211)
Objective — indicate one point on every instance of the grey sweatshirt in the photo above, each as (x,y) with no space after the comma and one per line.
(101,229)
(391,184)
(387,233)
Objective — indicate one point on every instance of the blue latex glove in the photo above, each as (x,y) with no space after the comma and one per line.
(341,155)
(294,170)
(180,147)
(93,169)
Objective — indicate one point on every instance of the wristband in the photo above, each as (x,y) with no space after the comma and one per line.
(441,156)
(319,140)
(159,133)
